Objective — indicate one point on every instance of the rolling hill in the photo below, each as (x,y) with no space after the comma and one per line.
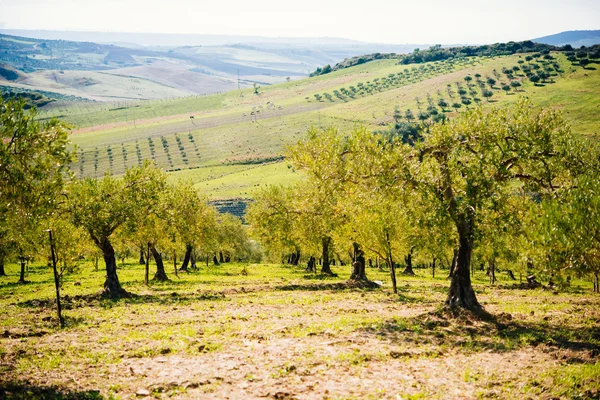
(229,144)
(56,62)
(573,38)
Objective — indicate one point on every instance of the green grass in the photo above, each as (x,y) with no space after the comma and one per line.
(278,327)
(244,183)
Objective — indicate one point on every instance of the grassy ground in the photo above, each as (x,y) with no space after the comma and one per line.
(270,331)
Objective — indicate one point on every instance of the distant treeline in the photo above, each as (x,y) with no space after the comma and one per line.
(31,98)
(438,53)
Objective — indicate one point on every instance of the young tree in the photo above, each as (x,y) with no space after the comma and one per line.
(101,206)
(150,224)
(232,237)
(193,220)
(317,200)
(273,221)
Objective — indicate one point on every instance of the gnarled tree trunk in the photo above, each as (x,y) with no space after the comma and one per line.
(408,270)
(160,274)
(142,260)
(112,286)
(325,267)
(358,266)
(187,257)
(312,265)
(461,292)
(2,271)
(296,257)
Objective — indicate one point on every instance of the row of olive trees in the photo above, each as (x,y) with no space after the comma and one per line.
(492,185)
(140,210)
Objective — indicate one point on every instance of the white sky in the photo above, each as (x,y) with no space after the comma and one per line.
(383,21)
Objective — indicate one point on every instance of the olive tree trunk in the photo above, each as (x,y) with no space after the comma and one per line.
(325,266)
(312,265)
(187,258)
(112,286)
(22,274)
(2,271)
(492,271)
(390,263)
(160,274)
(461,292)
(454,262)
(358,266)
(408,270)
(296,257)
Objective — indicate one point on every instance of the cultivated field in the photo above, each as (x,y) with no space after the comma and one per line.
(272,331)
(242,128)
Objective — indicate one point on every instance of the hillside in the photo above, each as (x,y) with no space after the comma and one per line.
(230,144)
(573,38)
(129,71)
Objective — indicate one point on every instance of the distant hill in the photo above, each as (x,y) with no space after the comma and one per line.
(151,66)
(574,38)
(171,40)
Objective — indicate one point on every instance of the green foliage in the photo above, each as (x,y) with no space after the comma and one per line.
(34,160)
(437,53)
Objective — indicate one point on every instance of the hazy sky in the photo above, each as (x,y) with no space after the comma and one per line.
(385,21)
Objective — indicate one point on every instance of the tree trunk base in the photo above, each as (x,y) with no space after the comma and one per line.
(113,289)
(463,298)
(361,283)
(160,276)
(326,270)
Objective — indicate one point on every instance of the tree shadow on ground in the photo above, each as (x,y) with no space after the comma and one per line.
(166,296)
(18,391)
(486,332)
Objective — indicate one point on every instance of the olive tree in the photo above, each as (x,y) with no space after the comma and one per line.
(101,206)
(34,160)
(470,164)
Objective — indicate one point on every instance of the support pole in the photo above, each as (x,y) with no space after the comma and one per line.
(56,281)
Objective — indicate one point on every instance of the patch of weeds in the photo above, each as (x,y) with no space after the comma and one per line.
(22,391)
(144,352)
(470,376)
(208,347)
(414,396)
(581,381)
(284,371)
(250,377)
(355,357)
